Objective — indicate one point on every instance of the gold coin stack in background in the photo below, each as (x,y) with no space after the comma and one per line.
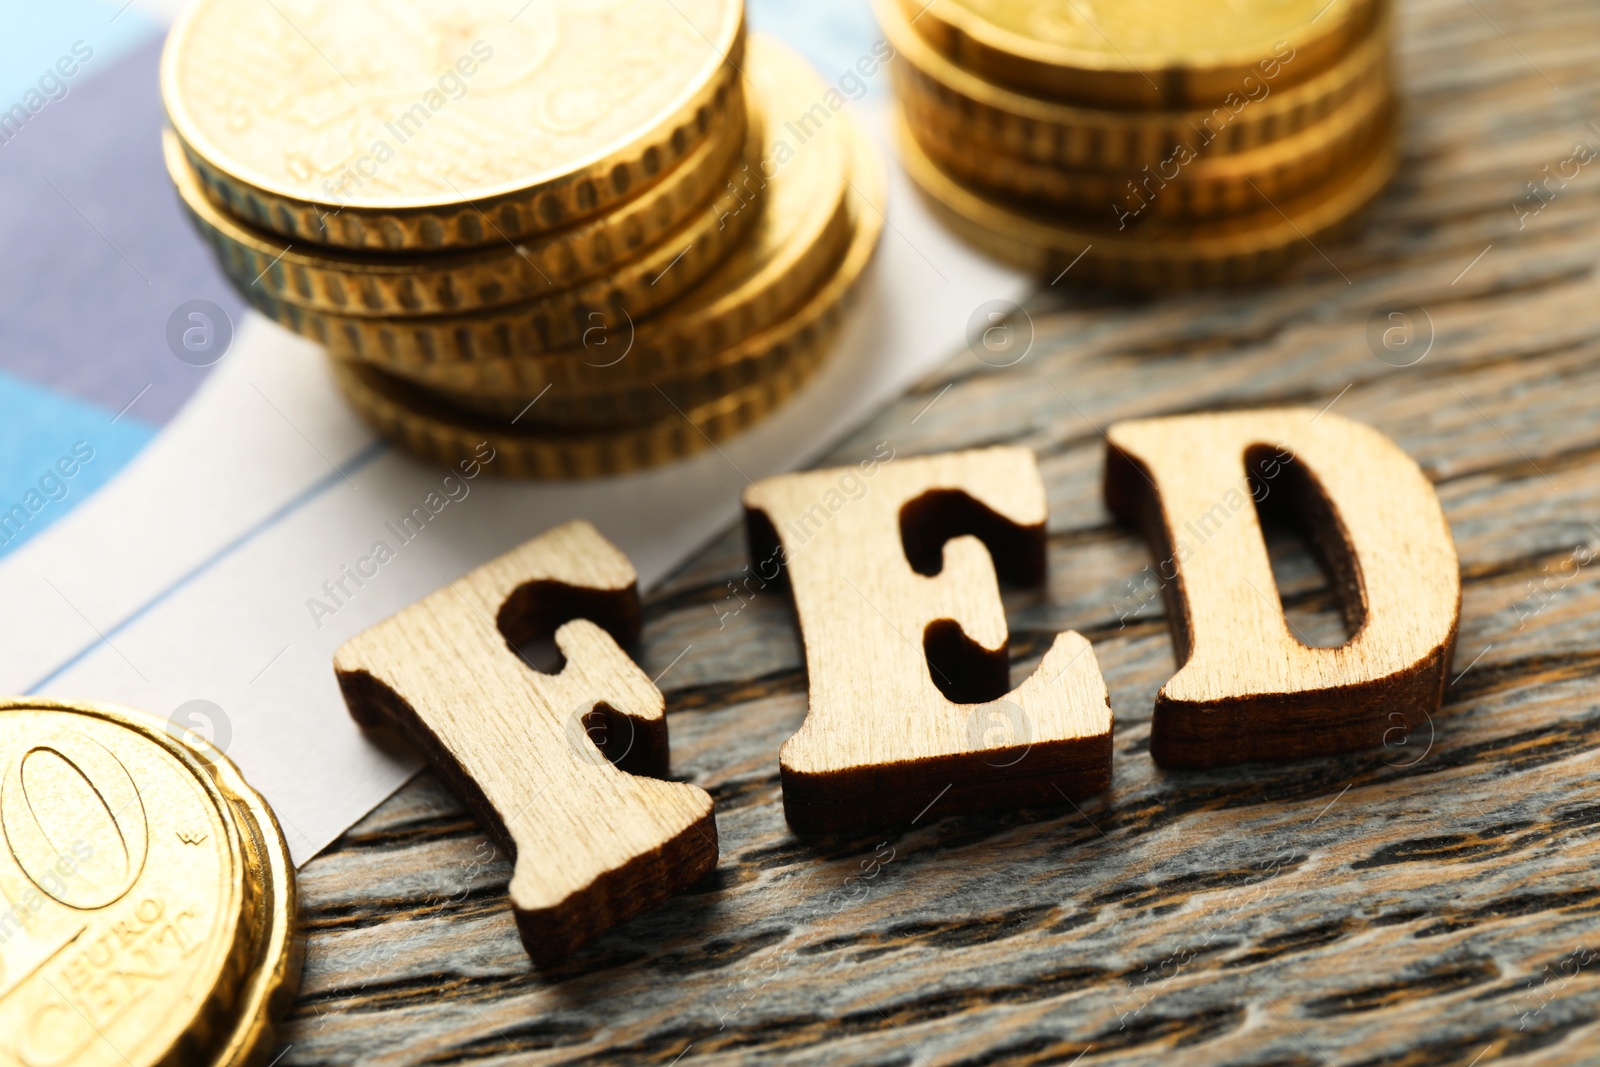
(583,234)
(1151,144)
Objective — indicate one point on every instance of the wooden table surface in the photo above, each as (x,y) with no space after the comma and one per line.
(1432,902)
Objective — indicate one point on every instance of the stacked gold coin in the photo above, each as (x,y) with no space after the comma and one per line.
(1147,144)
(579,233)
(149,901)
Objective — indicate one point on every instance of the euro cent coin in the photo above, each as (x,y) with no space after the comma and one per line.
(417,124)
(147,901)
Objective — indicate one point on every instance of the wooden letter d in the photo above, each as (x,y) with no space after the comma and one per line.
(1246,687)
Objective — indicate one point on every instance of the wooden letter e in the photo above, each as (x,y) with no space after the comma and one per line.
(592,844)
(893,569)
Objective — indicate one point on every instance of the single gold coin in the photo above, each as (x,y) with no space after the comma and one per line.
(799,225)
(414,124)
(1185,185)
(148,899)
(565,319)
(510,272)
(1162,253)
(1152,54)
(1264,108)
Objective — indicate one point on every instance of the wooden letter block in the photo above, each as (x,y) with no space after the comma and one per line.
(1247,688)
(592,844)
(907,647)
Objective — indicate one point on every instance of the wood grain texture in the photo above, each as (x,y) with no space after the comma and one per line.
(1249,686)
(1420,904)
(532,752)
(892,567)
